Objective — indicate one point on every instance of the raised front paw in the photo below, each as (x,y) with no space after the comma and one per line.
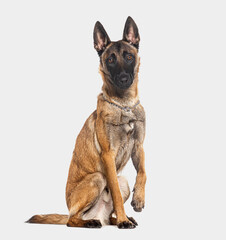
(137,202)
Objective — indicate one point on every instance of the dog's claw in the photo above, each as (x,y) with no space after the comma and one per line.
(133,220)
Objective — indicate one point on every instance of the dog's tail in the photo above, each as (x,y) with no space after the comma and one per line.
(49,219)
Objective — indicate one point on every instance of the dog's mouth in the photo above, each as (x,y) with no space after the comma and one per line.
(123,80)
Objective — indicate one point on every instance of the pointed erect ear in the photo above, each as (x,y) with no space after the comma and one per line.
(131,34)
(100,38)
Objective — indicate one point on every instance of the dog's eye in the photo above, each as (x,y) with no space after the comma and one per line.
(129,58)
(110,60)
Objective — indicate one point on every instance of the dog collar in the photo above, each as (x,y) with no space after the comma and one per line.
(126,108)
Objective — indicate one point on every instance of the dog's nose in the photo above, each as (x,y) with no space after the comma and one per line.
(123,77)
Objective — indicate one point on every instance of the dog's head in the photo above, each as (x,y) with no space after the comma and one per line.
(119,60)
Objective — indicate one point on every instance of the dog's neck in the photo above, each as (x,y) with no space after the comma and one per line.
(128,97)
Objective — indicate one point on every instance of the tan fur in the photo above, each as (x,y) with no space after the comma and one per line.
(49,219)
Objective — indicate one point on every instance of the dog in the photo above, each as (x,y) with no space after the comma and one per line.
(114,133)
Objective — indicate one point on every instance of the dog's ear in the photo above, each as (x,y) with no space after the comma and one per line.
(131,33)
(100,38)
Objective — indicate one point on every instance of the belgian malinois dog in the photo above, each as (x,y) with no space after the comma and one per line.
(113,133)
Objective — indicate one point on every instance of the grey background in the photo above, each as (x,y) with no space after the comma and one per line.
(49,84)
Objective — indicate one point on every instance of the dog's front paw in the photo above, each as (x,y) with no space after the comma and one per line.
(137,202)
(126,224)
(93,223)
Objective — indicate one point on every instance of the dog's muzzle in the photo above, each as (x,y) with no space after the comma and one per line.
(123,80)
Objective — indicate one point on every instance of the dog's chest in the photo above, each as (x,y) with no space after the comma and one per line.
(122,137)
(128,127)
(122,127)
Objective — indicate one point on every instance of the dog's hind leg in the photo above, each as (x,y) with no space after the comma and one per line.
(83,197)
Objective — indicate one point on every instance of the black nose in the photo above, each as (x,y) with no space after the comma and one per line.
(123,77)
